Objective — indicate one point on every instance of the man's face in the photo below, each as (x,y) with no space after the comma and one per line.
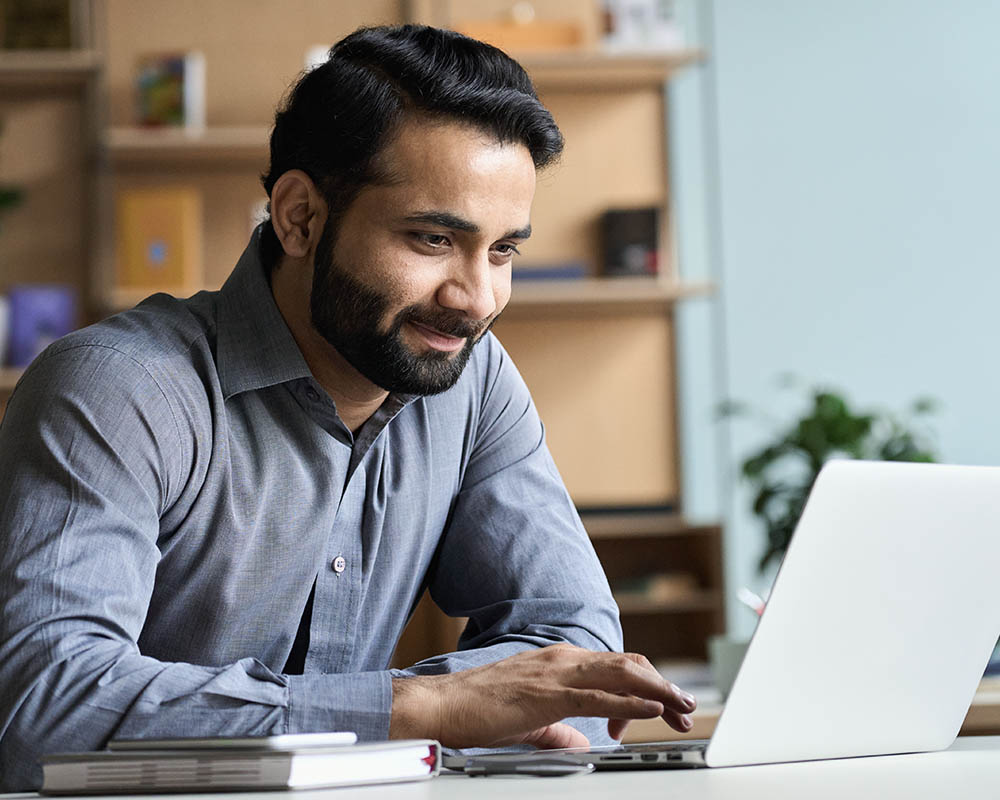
(419,267)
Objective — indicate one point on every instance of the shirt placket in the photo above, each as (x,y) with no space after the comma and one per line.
(338,584)
(339,580)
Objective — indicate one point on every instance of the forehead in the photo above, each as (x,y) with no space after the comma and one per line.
(430,164)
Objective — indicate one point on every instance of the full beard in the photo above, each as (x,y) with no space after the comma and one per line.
(347,314)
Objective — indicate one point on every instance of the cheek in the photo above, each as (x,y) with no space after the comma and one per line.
(407,282)
(502,289)
(387,269)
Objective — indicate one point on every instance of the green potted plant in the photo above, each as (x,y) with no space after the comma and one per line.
(782,472)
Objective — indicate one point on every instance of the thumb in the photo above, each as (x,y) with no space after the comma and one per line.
(555,736)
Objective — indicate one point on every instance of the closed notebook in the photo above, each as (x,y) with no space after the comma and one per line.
(205,770)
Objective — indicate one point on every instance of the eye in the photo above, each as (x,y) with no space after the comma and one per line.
(432,240)
(506,249)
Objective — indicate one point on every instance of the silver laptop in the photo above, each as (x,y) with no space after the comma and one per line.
(877,631)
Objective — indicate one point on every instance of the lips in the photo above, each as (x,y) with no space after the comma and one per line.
(437,339)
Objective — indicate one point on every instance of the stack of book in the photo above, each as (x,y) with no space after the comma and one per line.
(298,761)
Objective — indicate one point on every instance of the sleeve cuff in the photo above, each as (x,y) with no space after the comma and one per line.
(359,702)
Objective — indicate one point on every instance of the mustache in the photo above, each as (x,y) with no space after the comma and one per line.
(450,324)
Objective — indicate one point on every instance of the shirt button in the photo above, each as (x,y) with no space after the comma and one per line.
(312,394)
(339,564)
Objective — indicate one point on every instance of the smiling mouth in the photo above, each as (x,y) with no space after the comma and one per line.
(437,340)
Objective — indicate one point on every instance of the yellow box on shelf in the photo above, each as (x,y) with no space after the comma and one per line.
(159,239)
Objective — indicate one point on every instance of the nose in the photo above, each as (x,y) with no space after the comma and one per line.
(470,288)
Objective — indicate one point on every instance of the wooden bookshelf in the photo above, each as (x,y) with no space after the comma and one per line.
(630,524)
(640,545)
(200,147)
(696,601)
(590,296)
(38,70)
(586,70)
(636,295)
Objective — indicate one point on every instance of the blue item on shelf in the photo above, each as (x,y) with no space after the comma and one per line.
(39,314)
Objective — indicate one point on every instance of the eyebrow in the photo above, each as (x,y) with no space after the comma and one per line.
(446,220)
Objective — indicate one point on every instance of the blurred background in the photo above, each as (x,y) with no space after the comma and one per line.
(771,229)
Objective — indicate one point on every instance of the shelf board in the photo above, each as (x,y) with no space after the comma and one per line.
(607,294)
(614,295)
(596,69)
(53,69)
(641,525)
(9,376)
(241,143)
(584,70)
(696,601)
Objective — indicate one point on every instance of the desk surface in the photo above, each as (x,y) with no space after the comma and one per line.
(971,768)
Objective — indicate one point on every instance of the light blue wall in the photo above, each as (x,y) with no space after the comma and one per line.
(837,170)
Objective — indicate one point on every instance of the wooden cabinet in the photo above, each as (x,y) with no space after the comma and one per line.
(667,577)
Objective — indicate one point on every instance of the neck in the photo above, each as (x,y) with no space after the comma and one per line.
(356,397)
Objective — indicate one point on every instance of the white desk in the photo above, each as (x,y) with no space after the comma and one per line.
(970,769)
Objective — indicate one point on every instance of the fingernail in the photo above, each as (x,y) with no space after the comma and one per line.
(689,699)
(686,722)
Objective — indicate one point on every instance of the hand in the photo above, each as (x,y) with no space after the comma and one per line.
(521,699)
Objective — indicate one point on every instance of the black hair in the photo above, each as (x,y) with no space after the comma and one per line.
(339,116)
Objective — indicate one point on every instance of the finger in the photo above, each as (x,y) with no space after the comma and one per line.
(679,722)
(557,735)
(631,673)
(598,703)
(684,702)
(616,728)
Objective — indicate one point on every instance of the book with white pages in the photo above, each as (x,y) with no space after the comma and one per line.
(230,765)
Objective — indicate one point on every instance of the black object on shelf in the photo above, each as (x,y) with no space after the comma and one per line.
(630,241)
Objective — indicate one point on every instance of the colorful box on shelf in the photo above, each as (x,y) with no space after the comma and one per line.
(171,90)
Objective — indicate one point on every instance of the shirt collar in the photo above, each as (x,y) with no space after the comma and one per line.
(255,347)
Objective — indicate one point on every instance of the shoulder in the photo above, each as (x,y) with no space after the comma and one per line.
(123,381)
(158,328)
(160,337)
(144,364)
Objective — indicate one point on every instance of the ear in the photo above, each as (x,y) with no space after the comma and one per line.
(297,213)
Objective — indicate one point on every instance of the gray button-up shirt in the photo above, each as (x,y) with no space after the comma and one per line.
(174,482)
